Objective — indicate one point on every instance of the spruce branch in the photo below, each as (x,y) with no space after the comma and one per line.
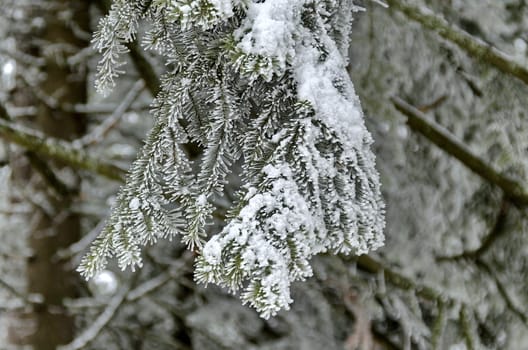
(303,193)
(475,47)
(56,149)
(417,121)
(140,61)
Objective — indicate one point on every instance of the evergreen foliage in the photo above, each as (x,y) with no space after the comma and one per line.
(261,84)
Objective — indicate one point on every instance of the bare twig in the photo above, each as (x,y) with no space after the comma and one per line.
(101,108)
(49,175)
(471,45)
(432,105)
(361,336)
(417,121)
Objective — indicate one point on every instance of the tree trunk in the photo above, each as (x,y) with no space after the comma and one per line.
(64,32)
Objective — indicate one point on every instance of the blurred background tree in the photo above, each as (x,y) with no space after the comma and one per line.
(443,86)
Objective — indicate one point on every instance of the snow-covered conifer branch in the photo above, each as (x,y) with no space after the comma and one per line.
(261,85)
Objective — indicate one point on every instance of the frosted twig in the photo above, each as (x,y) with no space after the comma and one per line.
(496,232)
(57,149)
(467,322)
(441,137)
(371,265)
(158,281)
(438,327)
(381,3)
(79,246)
(90,333)
(100,131)
(148,286)
(522,314)
(470,44)
(101,108)
(41,166)
(23,58)
(83,303)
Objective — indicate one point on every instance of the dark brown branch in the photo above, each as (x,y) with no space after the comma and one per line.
(417,121)
(12,290)
(49,176)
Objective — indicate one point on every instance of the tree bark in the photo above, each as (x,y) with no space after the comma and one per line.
(64,31)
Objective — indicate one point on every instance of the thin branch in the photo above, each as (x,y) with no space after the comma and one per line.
(373,266)
(126,294)
(48,175)
(497,231)
(101,130)
(90,333)
(23,58)
(57,149)
(468,328)
(79,246)
(41,166)
(438,327)
(149,286)
(471,45)
(12,290)
(100,108)
(157,282)
(510,304)
(441,137)
(433,105)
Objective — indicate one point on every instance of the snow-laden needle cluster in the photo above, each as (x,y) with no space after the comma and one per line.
(261,84)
